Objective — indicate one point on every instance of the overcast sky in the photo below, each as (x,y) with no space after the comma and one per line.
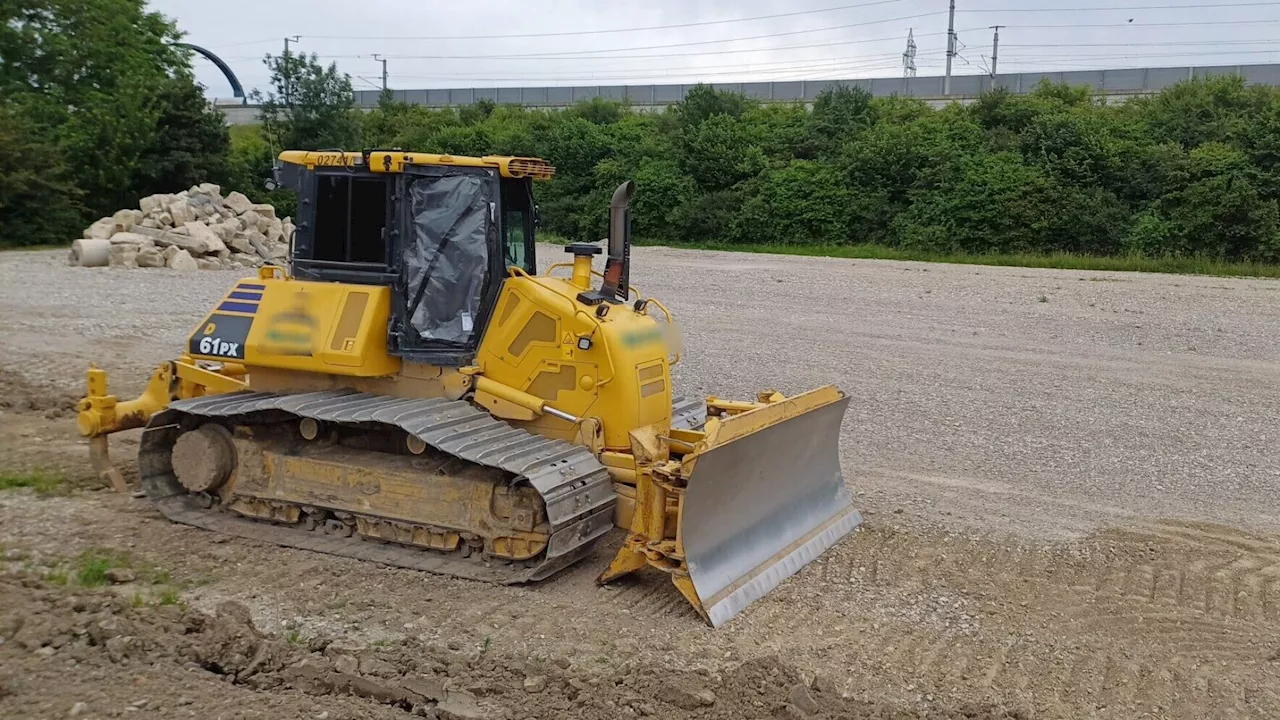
(425,46)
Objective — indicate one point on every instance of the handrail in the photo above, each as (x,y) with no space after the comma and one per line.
(595,272)
(667,313)
(661,307)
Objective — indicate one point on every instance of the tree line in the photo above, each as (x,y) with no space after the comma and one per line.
(1191,171)
(98,108)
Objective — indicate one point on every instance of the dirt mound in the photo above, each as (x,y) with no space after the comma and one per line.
(17,394)
(128,656)
(181,659)
(1163,619)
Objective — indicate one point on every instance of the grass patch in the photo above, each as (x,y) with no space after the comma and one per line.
(44,482)
(1064,261)
(91,566)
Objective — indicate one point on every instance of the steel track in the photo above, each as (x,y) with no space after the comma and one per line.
(575,487)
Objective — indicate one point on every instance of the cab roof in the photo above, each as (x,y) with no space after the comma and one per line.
(393,161)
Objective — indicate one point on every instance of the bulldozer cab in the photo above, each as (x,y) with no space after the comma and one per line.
(441,235)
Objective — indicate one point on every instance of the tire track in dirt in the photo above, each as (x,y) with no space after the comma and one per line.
(1165,615)
(1177,620)
(1184,602)
(1156,620)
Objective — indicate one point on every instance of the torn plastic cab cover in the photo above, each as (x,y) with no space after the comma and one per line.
(446,258)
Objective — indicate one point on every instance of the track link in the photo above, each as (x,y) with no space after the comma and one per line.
(575,487)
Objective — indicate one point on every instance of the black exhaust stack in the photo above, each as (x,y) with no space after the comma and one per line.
(617,268)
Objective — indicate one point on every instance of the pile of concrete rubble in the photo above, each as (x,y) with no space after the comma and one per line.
(196,229)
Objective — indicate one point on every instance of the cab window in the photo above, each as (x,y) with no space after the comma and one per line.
(517,224)
(447,260)
(351,219)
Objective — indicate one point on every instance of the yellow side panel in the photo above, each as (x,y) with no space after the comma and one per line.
(642,379)
(353,319)
(618,374)
(549,384)
(315,327)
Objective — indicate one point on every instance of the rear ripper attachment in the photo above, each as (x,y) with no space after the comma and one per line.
(443,486)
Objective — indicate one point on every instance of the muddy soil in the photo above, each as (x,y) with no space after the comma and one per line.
(108,657)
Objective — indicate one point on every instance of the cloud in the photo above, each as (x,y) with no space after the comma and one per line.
(849,42)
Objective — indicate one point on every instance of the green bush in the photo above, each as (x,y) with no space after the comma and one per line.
(803,202)
(39,202)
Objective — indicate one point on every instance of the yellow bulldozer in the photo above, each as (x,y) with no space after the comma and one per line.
(409,390)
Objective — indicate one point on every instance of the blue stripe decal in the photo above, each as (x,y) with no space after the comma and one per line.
(248,286)
(255,296)
(238,307)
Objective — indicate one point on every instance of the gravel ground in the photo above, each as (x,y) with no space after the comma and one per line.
(1038,402)
(999,417)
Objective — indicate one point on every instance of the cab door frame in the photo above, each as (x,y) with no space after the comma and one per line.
(402,339)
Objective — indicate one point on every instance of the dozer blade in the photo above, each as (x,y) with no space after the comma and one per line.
(764,500)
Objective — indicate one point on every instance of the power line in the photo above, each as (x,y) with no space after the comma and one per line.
(872,61)
(1125,7)
(1045,58)
(249,42)
(629,69)
(713,69)
(570,54)
(1106,60)
(773,76)
(1167,43)
(544,57)
(612,54)
(578,53)
(609,31)
(1145,24)
(628,57)
(868,64)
